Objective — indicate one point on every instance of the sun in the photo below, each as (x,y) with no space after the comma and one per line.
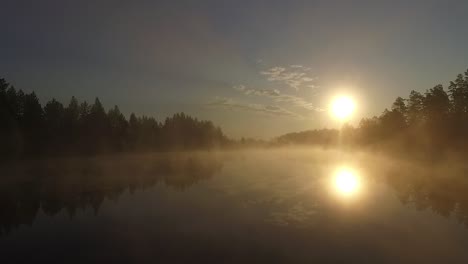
(343,107)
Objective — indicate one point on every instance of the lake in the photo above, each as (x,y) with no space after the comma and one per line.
(257,206)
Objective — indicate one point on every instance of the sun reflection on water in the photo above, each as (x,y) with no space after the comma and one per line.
(346,181)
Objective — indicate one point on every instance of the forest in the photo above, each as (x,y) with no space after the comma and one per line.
(29,129)
(432,122)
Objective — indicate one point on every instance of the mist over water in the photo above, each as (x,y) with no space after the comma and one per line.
(279,205)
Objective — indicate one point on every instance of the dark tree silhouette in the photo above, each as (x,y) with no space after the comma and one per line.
(54,124)
(118,129)
(29,130)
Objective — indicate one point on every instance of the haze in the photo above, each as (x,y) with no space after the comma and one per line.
(233,131)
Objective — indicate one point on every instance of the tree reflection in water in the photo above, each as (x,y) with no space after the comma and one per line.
(78,184)
(443,190)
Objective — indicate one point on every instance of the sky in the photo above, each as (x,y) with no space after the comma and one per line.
(256,68)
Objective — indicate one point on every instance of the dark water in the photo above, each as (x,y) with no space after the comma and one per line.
(239,207)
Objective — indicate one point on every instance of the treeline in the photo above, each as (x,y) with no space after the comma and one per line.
(430,122)
(28,129)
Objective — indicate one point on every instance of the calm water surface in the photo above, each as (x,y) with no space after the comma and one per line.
(277,206)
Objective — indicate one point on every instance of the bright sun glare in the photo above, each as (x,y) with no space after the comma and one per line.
(346,181)
(343,107)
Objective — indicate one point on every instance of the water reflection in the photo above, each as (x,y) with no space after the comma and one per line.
(442,190)
(439,188)
(72,185)
(346,181)
(261,208)
(78,184)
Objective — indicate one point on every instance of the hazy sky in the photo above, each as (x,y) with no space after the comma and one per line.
(256,68)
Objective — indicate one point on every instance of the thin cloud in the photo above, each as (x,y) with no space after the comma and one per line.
(295,76)
(277,96)
(298,101)
(265,92)
(273,110)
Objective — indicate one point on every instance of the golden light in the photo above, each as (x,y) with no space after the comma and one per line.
(343,107)
(346,181)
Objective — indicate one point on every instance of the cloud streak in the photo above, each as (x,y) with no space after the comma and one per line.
(278,97)
(294,76)
(273,110)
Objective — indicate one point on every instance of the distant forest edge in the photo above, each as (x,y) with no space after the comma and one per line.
(28,129)
(433,123)
(429,123)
